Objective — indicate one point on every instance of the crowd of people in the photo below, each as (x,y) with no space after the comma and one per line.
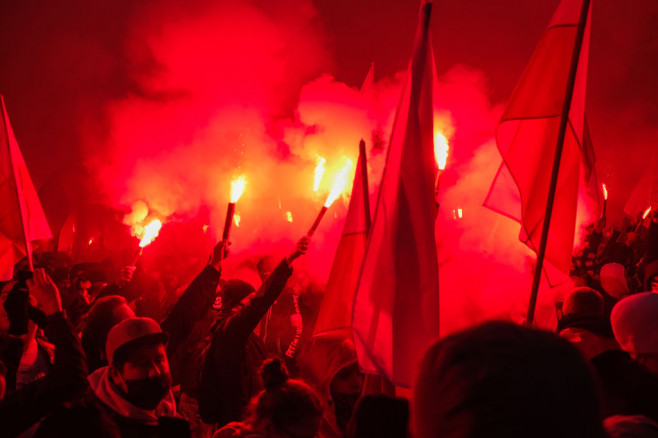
(85,355)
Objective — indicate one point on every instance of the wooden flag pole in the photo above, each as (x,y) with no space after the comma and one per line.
(564,119)
(19,198)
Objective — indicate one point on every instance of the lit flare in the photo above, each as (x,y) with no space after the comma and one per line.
(237,187)
(319,173)
(605,192)
(441,148)
(340,183)
(646,213)
(151,231)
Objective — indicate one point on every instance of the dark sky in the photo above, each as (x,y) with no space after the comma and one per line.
(62,61)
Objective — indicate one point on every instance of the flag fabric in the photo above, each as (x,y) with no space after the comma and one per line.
(396,305)
(527,138)
(645,193)
(21,216)
(335,314)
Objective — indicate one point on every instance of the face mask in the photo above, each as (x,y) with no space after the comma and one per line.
(344,407)
(148,393)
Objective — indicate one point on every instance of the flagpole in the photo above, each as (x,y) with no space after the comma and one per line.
(564,119)
(364,183)
(21,202)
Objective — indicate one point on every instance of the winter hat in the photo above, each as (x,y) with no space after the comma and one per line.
(635,323)
(613,279)
(234,291)
(131,330)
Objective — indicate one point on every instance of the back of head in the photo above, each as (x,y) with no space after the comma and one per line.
(500,379)
(613,279)
(285,403)
(630,426)
(583,301)
(103,315)
(234,291)
(635,323)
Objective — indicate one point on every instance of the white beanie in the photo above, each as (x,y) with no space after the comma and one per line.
(613,279)
(635,323)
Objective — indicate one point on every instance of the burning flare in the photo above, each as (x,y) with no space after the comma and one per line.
(605,192)
(151,231)
(339,184)
(319,172)
(646,213)
(237,187)
(441,148)
(289,215)
(236,219)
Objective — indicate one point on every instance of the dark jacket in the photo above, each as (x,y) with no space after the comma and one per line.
(66,381)
(229,376)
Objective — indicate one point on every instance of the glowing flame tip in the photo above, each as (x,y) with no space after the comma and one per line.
(237,187)
(151,231)
(646,213)
(605,192)
(339,184)
(441,148)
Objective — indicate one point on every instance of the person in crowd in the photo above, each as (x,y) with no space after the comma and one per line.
(285,408)
(133,391)
(229,372)
(630,426)
(24,407)
(626,388)
(329,365)
(635,325)
(104,314)
(500,379)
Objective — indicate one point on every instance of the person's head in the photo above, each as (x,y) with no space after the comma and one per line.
(104,314)
(635,325)
(502,379)
(139,368)
(583,301)
(235,293)
(286,408)
(265,266)
(613,280)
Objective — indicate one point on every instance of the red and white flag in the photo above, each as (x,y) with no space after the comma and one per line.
(527,137)
(21,217)
(335,314)
(396,306)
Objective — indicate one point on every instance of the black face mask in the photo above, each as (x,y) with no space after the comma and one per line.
(148,393)
(344,407)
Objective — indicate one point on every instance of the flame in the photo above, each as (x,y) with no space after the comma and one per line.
(646,213)
(151,231)
(289,215)
(236,219)
(91,241)
(460,213)
(441,148)
(340,183)
(605,192)
(237,187)
(319,172)
(205,229)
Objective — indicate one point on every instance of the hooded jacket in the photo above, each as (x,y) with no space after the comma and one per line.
(319,363)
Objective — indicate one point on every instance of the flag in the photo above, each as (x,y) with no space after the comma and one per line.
(527,137)
(21,217)
(396,305)
(645,193)
(335,314)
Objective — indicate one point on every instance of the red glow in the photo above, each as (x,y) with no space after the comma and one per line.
(605,192)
